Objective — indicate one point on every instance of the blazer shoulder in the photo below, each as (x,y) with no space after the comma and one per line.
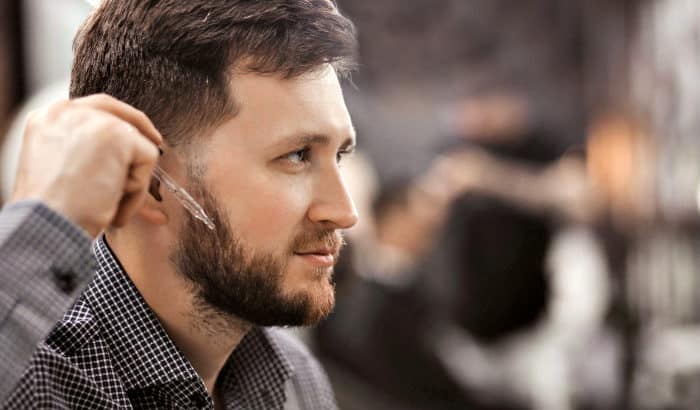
(290,345)
(305,364)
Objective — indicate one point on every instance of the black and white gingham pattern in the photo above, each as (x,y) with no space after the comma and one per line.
(45,262)
(110,351)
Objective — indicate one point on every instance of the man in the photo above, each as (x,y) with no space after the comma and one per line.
(247,97)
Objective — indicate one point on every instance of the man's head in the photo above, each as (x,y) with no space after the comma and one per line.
(172,59)
(247,97)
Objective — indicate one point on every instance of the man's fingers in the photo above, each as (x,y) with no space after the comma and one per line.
(111,143)
(142,157)
(140,151)
(125,112)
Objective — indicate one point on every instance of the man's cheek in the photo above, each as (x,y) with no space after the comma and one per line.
(277,214)
(272,221)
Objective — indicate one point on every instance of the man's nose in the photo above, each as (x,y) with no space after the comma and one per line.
(332,205)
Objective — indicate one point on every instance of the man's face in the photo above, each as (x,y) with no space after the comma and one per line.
(269,178)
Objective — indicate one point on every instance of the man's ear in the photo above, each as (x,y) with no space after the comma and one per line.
(152,209)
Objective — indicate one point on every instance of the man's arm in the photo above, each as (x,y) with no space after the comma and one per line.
(85,165)
(45,262)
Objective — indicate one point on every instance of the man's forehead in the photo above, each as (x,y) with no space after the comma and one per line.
(305,109)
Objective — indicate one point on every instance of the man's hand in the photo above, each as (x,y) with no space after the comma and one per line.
(89,159)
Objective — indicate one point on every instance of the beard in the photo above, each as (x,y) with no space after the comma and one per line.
(232,282)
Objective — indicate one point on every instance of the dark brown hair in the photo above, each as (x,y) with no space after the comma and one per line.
(173,59)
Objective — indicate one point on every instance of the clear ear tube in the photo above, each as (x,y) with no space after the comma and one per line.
(182,196)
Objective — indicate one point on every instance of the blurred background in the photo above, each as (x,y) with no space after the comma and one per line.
(527,183)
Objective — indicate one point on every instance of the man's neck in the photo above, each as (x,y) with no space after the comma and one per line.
(205,338)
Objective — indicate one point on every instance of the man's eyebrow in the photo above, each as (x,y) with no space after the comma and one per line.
(317,139)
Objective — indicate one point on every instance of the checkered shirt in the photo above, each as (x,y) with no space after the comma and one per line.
(111,352)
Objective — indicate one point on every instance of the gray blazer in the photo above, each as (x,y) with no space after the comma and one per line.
(45,263)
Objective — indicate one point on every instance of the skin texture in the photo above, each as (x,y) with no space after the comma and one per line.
(99,136)
(273,172)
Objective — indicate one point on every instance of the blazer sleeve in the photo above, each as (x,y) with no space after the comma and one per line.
(45,263)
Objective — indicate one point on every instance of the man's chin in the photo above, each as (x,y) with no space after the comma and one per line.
(318,315)
(305,308)
(317,304)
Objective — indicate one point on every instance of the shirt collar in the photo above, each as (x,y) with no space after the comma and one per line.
(256,373)
(145,356)
(140,348)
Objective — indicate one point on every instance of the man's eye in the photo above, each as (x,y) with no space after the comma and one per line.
(342,154)
(299,156)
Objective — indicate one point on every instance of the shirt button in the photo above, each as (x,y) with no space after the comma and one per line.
(64,280)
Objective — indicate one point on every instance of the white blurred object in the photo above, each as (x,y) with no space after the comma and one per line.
(664,85)
(547,367)
(9,156)
(49,28)
(669,366)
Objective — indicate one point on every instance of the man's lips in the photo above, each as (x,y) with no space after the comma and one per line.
(323,257)
(316,259)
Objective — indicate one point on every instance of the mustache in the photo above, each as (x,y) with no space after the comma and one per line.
(312,240)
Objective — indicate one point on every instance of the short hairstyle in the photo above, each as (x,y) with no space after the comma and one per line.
(174,59)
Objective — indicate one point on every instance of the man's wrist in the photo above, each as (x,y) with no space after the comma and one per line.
(30,208)
(51,209)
